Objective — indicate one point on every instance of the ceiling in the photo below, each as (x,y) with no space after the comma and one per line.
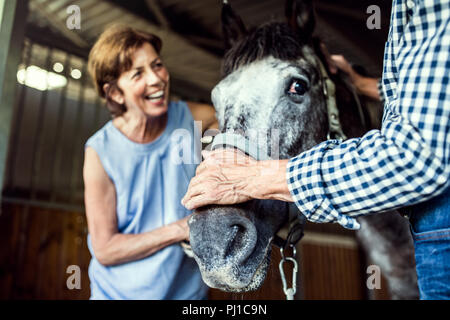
(191,31)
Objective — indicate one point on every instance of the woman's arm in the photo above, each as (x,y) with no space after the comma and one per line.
(366,86)
(204,113)
(111,247)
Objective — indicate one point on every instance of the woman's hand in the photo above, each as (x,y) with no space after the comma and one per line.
(364,85)
(342,64)
(183,227)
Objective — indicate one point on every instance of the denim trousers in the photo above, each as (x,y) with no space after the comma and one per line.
(430,228)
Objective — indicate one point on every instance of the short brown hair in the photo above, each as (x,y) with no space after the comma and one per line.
(112,54)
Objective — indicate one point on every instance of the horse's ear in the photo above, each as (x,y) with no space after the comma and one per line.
(300,16)
(233,27)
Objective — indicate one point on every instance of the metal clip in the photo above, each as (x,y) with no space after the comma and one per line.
(289,292)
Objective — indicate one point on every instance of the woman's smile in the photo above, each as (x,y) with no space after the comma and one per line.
(157,98)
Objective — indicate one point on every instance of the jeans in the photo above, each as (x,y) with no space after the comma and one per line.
(430,228)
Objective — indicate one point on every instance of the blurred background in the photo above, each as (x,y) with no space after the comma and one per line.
(49,108)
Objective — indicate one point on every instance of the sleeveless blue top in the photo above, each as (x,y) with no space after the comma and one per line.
(150,181)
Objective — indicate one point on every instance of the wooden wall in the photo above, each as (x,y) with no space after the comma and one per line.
(330,267)
(37,246)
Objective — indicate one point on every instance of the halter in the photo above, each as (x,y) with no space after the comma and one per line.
(329,90)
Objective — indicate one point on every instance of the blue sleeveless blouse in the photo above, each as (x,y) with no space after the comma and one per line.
(150,181)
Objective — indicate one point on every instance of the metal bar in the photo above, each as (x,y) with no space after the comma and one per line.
(17,123)
(43,204)
(13,15)
(77,136)
(58,136)
(38,144)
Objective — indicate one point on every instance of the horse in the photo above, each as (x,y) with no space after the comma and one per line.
(273,79)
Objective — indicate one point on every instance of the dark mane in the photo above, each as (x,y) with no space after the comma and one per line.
(273,39)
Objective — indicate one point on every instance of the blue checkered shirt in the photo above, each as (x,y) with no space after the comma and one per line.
(408,160)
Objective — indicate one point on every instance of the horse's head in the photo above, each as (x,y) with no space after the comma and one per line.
(272,85)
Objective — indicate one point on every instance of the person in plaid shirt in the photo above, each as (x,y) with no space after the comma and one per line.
(404,164)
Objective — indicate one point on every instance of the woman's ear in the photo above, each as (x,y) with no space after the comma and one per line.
(112,92)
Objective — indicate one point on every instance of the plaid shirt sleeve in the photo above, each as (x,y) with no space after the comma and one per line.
(405,162)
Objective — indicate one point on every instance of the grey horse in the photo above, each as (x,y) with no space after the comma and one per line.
(272,80)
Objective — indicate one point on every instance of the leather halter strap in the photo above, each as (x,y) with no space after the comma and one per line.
(329,90)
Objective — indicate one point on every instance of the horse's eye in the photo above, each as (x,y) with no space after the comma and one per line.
(298,87)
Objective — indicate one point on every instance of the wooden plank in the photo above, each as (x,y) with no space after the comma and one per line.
(330,272)
(80,257)
(347,285)
(27,272)
(9,238)
(5,223)
(70,245)
(24,214)
(41,261)
(50,252)
(84,258)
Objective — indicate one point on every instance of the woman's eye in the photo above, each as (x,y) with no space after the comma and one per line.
(298,87)
(158,65)
(137,74)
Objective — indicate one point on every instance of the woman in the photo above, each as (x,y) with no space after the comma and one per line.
(133,179)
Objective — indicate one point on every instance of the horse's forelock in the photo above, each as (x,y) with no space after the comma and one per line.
(273,39)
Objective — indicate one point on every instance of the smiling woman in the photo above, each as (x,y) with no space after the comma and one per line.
(133,184)
(144,89)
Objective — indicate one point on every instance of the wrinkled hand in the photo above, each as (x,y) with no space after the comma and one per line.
(222,178)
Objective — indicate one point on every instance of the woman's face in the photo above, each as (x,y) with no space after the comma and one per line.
(145,87)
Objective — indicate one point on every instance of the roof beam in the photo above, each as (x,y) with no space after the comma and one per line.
(58,25)
(155,8)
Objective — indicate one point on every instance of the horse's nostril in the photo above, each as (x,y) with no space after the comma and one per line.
(241,240)
(234,240)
